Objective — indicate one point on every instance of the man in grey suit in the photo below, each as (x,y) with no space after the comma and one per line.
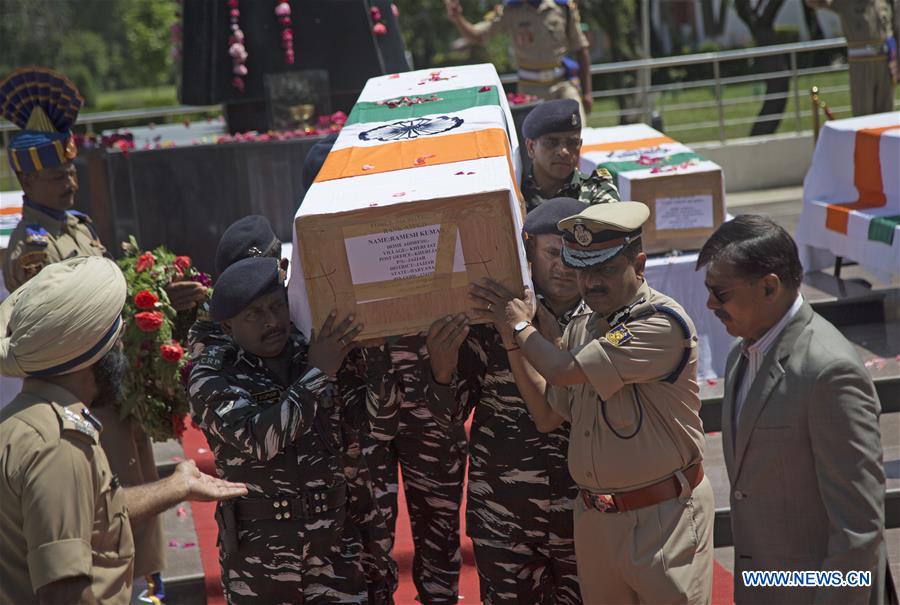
(800,425)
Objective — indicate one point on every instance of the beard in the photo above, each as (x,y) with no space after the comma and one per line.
(109,375)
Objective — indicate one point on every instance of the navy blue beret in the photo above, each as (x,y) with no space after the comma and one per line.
(246,237)
(315,157)
(242,283)
(559,115)
(545,218)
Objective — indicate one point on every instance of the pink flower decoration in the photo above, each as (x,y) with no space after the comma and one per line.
(339,118)
(379,29)
(283,10)
(395,10)
(367,167)
(376,13)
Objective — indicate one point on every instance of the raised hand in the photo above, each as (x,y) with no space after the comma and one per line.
(445,336)
(329,347)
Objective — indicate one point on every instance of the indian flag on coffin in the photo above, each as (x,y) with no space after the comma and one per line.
(685,192)
(417,199)
(851,195)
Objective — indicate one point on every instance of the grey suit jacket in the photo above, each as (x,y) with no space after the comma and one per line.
(806,472)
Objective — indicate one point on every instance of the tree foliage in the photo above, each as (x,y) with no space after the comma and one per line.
(100,44)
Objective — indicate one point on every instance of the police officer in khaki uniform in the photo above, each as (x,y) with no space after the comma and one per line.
(64,518)
(542,32)
(41,155)
(626,378)
(868,25)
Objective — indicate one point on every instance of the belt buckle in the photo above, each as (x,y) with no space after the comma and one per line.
(605,503)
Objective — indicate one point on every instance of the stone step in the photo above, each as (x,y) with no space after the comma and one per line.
(843,302)
(183,577)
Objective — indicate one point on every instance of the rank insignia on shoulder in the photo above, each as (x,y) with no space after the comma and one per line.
(36,236)
(619,335)
(270,396)
(604,173)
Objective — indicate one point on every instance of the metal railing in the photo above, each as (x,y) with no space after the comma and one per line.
(648,92)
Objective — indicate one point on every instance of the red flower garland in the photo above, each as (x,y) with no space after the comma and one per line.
(283,14)
(236,47)
(148,321)
(379,29)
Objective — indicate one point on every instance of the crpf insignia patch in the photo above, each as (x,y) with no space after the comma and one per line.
(619,335)
(36,235)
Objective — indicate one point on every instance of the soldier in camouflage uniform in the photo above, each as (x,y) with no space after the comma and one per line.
(246,237)
(552,132)
(433,461)
(520,494)
(273,413)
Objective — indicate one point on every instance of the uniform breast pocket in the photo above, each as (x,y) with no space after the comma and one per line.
(112,529)
(623,411)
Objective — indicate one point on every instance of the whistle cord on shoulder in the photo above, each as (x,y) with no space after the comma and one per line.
(640,421)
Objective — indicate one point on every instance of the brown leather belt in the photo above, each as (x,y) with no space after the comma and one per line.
(667,489)
(310,504)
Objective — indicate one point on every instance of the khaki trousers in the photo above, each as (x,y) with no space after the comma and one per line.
(658,554)
(871,87)
(564,89)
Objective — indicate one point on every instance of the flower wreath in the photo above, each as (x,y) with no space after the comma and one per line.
(154,387)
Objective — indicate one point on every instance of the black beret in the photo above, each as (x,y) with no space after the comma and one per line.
(545,218)
(242,283)
(315,157)
(246,237)
(559,115)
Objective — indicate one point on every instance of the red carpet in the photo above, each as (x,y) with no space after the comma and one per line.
(195,447)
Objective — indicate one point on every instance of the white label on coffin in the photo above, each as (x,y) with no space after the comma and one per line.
(393,255)
(688,212)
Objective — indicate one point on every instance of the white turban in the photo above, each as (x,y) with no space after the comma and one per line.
(63,319)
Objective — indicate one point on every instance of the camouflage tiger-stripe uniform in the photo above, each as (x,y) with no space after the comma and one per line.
(298,440)
(597,187)
(520,494)
(433,462)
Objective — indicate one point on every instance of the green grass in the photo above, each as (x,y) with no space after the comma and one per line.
(673,119)
(135,98)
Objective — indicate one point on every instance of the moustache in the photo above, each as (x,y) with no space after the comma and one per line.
(597,292)
(722,315)
(273,332)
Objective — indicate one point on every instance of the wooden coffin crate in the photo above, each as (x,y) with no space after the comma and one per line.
(411,205)
(685,193)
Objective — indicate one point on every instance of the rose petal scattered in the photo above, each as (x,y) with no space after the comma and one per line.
(189,545)
(367,167)
(458,173)
(202,450)
(712,382)
(173,543)
(181,512)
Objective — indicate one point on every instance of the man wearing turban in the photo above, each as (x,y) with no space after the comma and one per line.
(64,517)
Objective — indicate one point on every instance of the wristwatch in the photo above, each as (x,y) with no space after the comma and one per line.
(520,326)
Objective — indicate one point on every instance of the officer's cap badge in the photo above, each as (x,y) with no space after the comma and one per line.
(582,235)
